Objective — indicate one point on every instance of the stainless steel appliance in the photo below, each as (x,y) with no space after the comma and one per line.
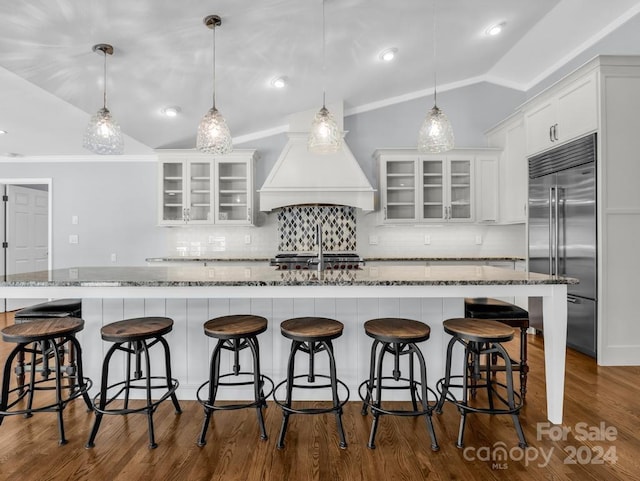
(304,260)
(562,233)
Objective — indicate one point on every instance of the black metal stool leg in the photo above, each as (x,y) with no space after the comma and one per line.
(32,378)
(79,375)
(468,353)
(295,345)
(376,399)
(524,365)
(150,409)
(214,372)
(424,395)
(334,390)
(58,382)
(103,395)
(510,395)
(447,377)
(167,363)
(257,386)
(370,383)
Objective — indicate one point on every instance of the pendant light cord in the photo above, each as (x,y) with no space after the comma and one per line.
(435,102)
(104,90)
(324,65)
(214,64)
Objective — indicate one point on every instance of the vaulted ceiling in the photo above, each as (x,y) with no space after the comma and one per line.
(51,81)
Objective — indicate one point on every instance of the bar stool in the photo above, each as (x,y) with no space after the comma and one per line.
(511,315)
(235,333)
(397,337)
(311,335)
(57,308)
(479,337)
(37,338)
(135,337)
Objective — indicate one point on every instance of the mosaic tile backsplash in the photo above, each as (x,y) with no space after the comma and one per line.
(297,228)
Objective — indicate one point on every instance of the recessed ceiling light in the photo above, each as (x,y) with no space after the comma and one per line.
(388,54)
(171,111)
(495,29)
(279,82)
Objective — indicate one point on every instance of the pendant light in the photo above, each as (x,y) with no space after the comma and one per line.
(103,135)
(214,136)
(324,137)
(436,133)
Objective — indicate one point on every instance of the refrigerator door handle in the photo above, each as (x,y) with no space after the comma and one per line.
(556,232)
(551,237)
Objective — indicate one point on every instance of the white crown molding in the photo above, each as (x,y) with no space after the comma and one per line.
(77,158)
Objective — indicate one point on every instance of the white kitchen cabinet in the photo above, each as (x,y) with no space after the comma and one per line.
(509,136)
(607,86)
(198,188)
(416,188)
(558,116)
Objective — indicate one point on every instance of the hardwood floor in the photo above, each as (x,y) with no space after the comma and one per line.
(600,442)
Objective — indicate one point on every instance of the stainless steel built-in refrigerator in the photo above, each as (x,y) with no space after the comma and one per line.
(562,233)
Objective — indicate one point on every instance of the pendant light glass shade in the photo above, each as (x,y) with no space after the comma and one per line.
(436,133)
(102,135)
(214,136)
(325,137)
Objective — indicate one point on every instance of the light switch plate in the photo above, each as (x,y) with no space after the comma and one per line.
(427,240)
(73,239)
(373,240)
(478,239)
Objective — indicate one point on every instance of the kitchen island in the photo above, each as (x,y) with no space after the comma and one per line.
(192,295)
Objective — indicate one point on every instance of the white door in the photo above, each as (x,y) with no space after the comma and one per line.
(27,224)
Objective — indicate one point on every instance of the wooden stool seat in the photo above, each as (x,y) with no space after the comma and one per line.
(393,329)
(136,329)
(478,330)
(311,329)
(42,329)
(235,327)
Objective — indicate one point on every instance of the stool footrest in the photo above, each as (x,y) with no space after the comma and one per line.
(376,408)
(465,406)
(332,409)
(132,385)
(231,407)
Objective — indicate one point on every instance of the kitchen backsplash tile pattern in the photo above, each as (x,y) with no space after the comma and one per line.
(297,228)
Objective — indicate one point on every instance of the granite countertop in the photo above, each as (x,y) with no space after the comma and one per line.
(264,275)
(371,259)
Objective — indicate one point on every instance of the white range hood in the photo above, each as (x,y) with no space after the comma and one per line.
(301,177)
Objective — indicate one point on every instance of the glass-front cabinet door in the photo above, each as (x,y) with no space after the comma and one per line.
(200,192)
(172,181)
(399,203)
(234,194)
(460,189)
(433,189)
